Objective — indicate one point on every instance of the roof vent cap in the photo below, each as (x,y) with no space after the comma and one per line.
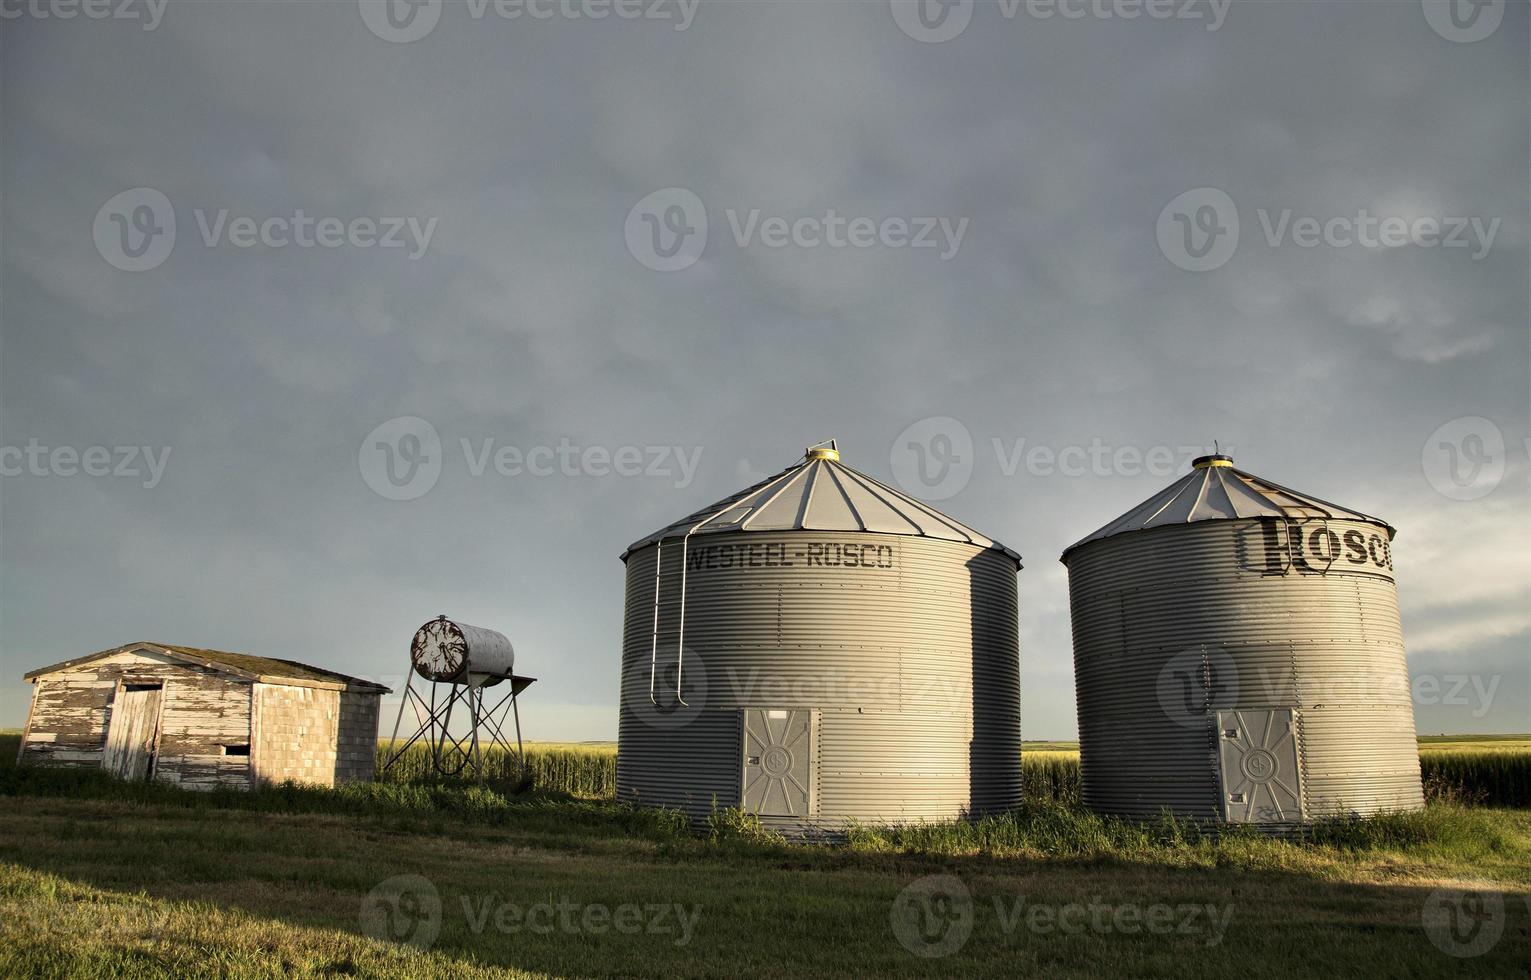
(828,449)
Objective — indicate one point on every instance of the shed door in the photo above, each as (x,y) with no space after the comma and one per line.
(777,770)
(133,732)
(1257,759)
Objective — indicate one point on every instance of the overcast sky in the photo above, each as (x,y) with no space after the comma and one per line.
(1297,228)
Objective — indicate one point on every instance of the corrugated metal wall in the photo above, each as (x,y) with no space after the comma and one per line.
(907,646)
(1172,624)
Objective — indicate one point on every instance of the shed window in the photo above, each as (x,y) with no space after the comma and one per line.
(236,749)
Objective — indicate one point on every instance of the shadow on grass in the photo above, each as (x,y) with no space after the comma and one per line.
(270,893)
(297,860)
(1047,831)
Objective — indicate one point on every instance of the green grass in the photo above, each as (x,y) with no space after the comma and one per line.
(102,878)
(124,887)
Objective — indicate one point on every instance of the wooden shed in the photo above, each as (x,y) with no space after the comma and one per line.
(202,718)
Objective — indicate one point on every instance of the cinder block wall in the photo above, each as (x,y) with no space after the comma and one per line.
(316,736)
(295,732)
(356,744)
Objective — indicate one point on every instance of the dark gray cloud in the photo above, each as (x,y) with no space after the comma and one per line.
(527,320)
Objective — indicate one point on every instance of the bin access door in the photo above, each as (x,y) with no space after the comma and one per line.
(1257,754)
(777,767)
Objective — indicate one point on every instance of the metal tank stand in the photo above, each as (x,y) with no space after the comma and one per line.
(454,755)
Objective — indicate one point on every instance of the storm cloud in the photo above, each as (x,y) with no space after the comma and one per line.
(532,333)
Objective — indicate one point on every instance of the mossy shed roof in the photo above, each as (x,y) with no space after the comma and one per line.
(243,665)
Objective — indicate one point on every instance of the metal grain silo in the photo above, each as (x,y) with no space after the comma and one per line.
(817,649)
(1238,656)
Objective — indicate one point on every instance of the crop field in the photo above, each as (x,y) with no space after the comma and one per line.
(408,878)
(1473,769)
(583,769)
(1429,744)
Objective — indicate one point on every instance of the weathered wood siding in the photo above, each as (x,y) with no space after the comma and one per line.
(315,736)
(68,724)
(202,712)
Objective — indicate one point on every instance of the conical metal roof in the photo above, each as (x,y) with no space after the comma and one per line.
(1215,491)
(820,493)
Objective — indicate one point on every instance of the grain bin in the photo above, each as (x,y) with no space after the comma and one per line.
(816,649)
(1238,656)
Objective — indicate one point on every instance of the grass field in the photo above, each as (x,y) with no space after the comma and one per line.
(102,879)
